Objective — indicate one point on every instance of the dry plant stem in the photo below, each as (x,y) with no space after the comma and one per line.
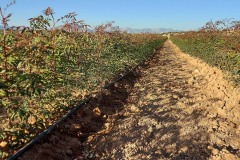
(4,44)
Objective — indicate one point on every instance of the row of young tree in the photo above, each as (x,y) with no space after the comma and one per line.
(51,65)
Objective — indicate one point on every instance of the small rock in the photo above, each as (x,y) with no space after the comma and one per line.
(175,96)
(150,129)
(75,127)
(184,149)
(196,71)
(212,115)
(125,114)
(90,138)
(191,81)
(225,150)
(214,124)
(220,142)
(181,104)
(133,108)
(170,150)
(107,126)
(97,111)
(3,144)
(215,151)
(229,156)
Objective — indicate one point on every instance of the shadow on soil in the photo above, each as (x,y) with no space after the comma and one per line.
(174,146)
(66,141)
(177,144)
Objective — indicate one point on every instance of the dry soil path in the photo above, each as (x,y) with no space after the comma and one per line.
(179,108)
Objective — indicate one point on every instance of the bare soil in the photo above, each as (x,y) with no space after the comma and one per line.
(172,107)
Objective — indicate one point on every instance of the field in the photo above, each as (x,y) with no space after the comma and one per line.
(179,101)
(173,106)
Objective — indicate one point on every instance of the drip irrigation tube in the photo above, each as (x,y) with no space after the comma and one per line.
(47,131)
(71,112)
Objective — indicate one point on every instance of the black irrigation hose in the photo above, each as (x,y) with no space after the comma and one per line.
(49,129)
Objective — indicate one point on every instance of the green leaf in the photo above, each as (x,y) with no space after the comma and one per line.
(2,93)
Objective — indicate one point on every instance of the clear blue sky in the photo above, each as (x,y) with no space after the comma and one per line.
(176,14)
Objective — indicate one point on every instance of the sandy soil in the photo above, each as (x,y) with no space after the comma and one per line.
(173,107)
